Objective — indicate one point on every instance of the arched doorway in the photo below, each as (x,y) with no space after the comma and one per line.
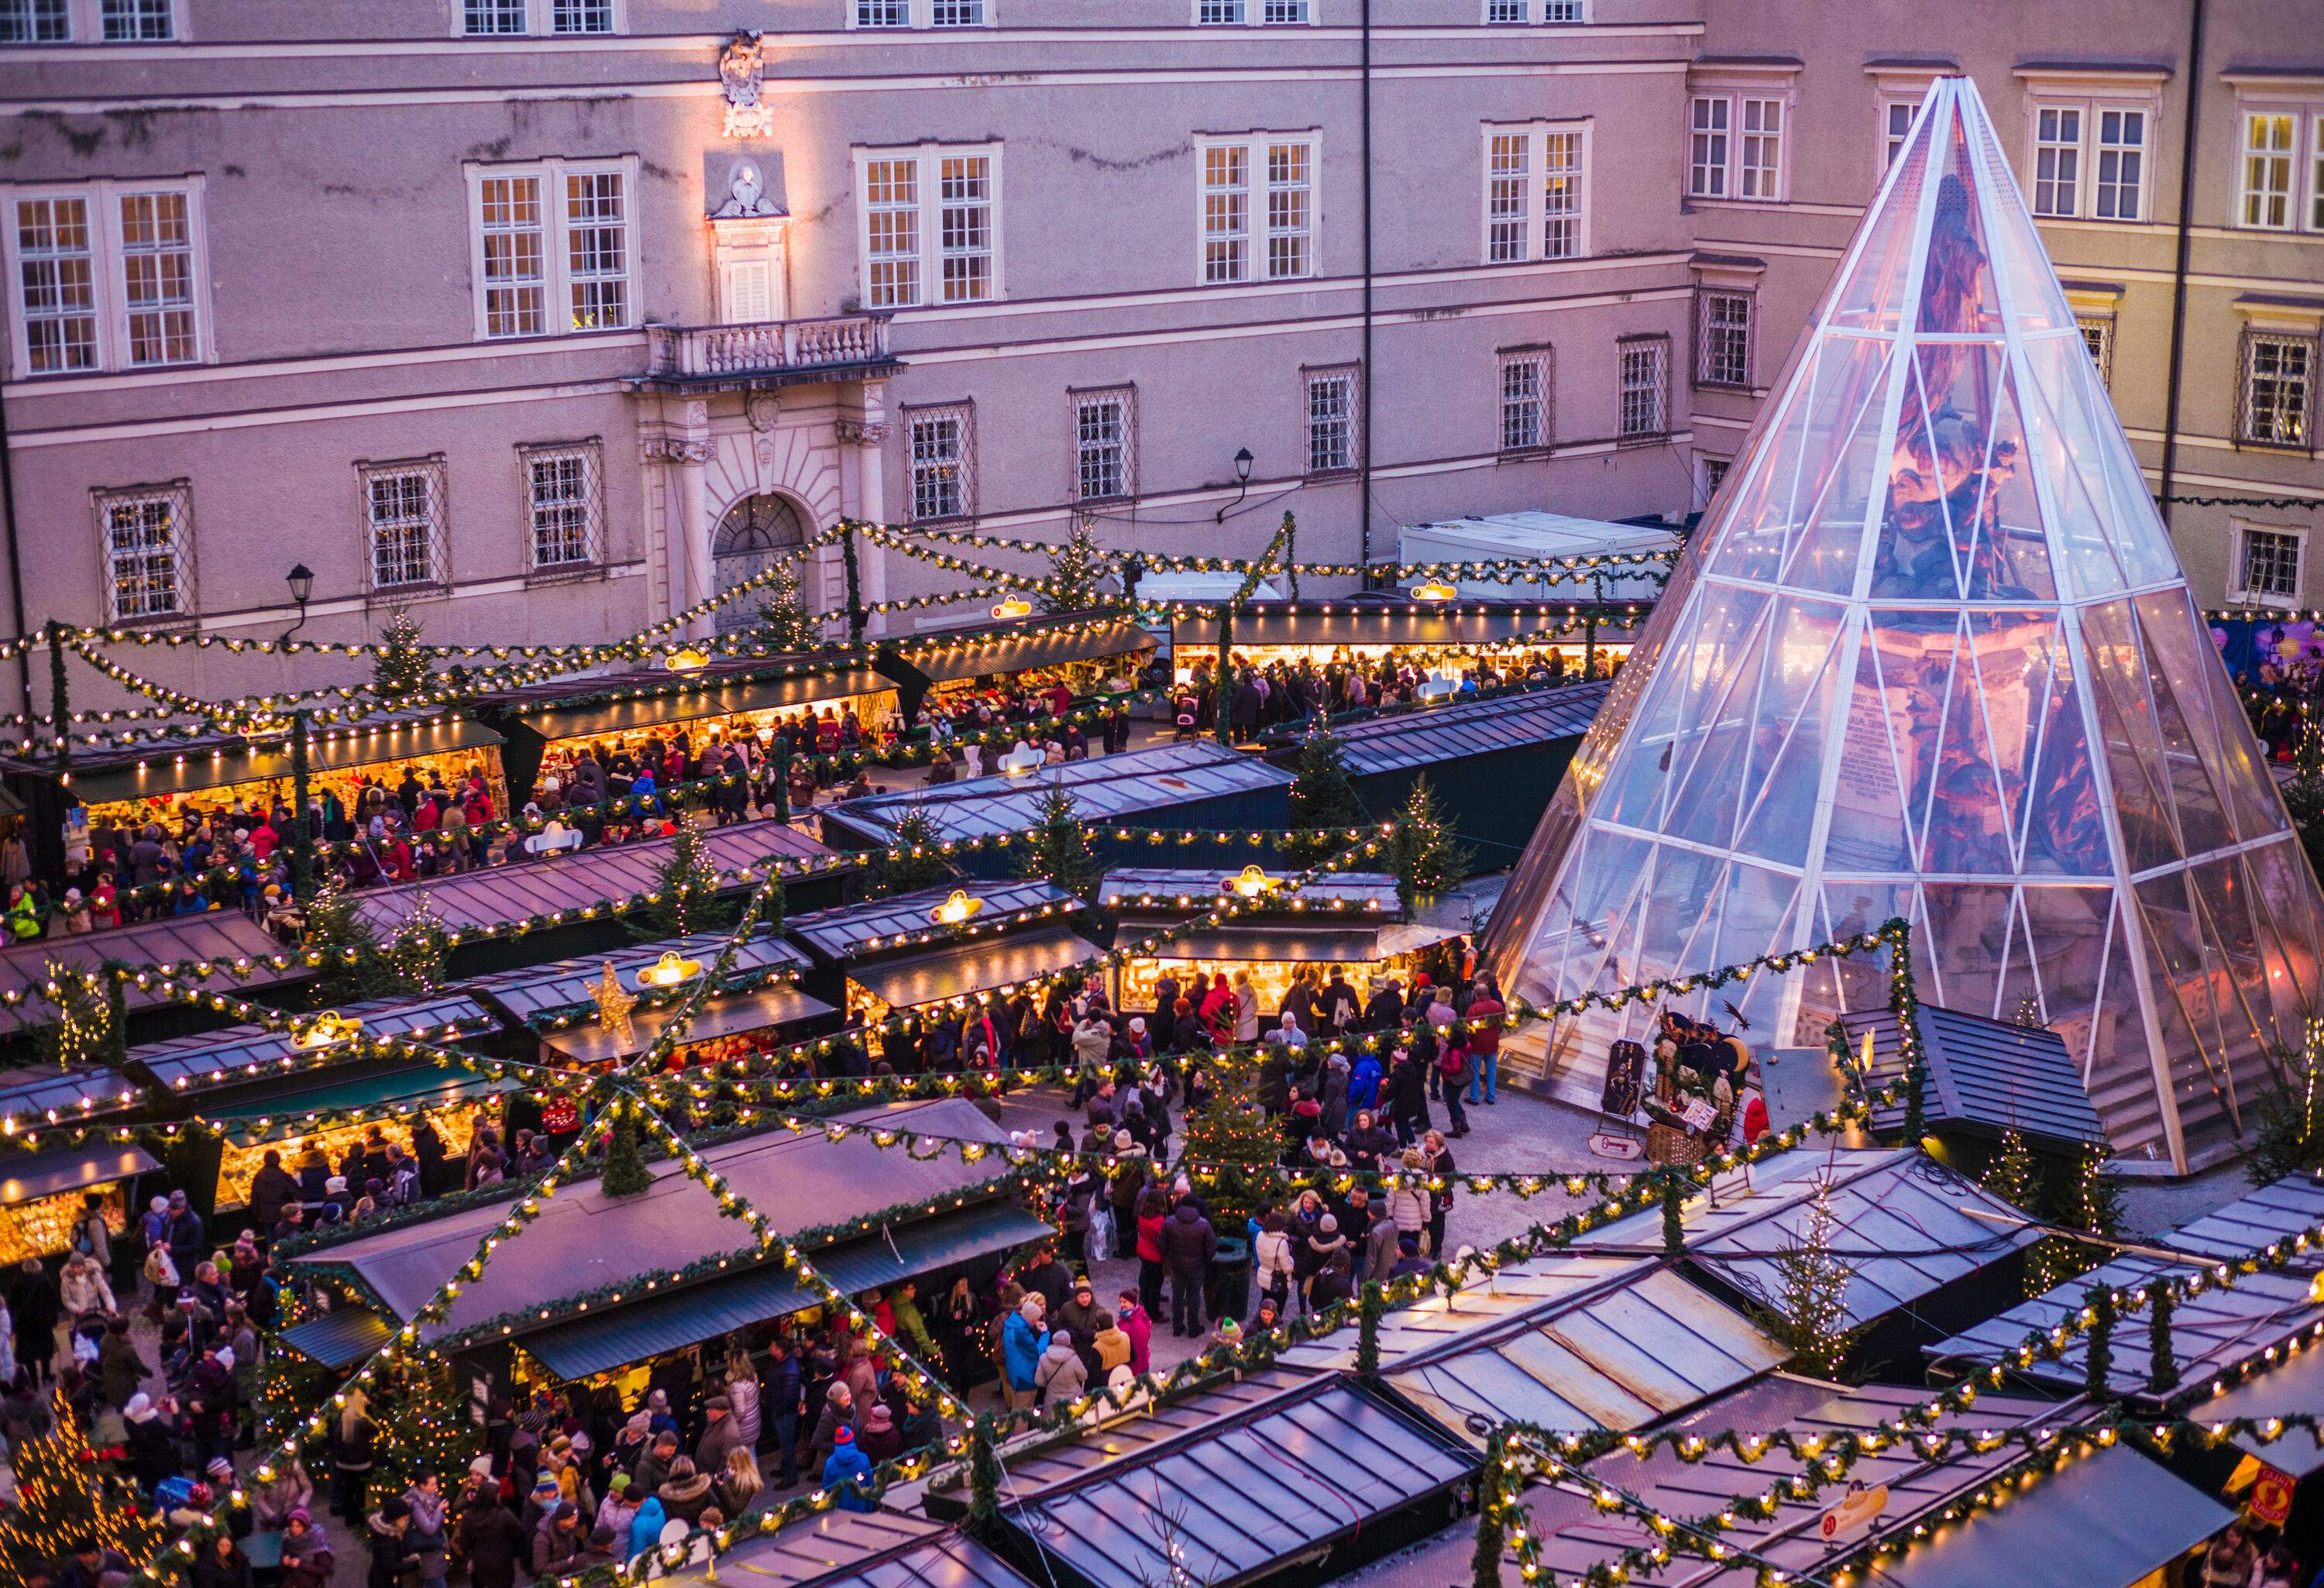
(755,532)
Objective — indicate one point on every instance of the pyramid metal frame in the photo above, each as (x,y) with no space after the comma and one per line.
(1931,655)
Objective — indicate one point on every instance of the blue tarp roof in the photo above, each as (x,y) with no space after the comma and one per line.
(1123,788)
(1983,1073)
(1476,727)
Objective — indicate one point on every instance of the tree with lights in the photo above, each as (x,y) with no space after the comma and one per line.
(1424,852)
(685,894)
(339,931)
(1058,847)
(784,622)
(2289,1138)
(427,1428)
(1234,1148)
(411,960)
(1811,1311)
(401,668)
(914,861)
(1492,1513)
(63,1497)
(85,1031)
(1322,795)
(1074,572)
(626,1173)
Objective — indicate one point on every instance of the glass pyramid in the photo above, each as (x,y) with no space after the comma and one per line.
(1931,655)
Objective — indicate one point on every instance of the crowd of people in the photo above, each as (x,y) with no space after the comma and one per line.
(1278,693)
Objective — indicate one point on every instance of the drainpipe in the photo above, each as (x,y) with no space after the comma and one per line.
(1364,385)
(2186,244)
(15,562)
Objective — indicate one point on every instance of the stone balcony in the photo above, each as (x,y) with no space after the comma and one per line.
(768,354)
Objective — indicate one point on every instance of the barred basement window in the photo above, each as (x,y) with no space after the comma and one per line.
(2097,336)
(1525,399)
(1334,442)
(1105,444)
(2276,397)
(404,537)
(565,507)
(1646,367)
(1722,350)
(942,441)
(2267,566)
(146,540)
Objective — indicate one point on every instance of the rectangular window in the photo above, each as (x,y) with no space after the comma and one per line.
(2057,160)
(597,250)
(1290,210)
(56,280)
(1508,197)
(2267,169)
(1713,475)
(403,522)
(942,442)
(1525,400)
(1218,13)
(1284,11)
(556,233)
(1564,11)
(956,13)
(36,21)
(1105,444)
(562,490)
(1546,162)
(2121,164)
(1502,11)
(1226,213)
(139,22)
(1762,149)
(515,258)
(1333,441)
(883,14)
(2278,390)
(2267,566)
(892,200)
(2315,172)
(2097,336)
(1645,366)
(1707,149)
(157,278)
(490,18)
(1897,126)
(1562,194)
(147,545)
(1723,339)
(966,192)
(581,16)
(907,252)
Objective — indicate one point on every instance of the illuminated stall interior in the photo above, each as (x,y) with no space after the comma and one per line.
(1349,922)
(1442,639)
(938,953)
(41,1184)
(1088,656)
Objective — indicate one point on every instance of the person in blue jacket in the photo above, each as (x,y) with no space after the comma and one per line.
(848,1473)
(1022,1342)
(1364,1084)
(645,1528)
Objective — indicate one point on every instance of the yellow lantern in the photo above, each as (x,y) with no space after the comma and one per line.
(687,659)
(1251,883)
(955,910)
(1015,606)
(1434,591)
(328,1028)
(669,970)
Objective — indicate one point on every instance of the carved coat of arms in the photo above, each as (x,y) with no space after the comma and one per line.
(742,72)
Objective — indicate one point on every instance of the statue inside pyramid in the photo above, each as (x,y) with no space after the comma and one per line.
(1931,656)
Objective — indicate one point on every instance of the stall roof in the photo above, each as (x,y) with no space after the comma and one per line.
(1890,1202)
(1054,1465)
(856,1550)
(1428,736)
(1196,889)
(471,902)
(27,1176)
(985,652)
(188,766)
(972,967)
(1438,1323)
(541,993)
(2220,1328)
(1244,1496)
(1130,786)
(1341,622)
(339,1339)
(400,1086)
(50,1096)
(1191,585)
(1984,1074)
(241,950)
(842,932)
(723,1017)
(614,1336)
(1527,534)
(253,1053)
(2291,1387)
(584,1239)
(651,702)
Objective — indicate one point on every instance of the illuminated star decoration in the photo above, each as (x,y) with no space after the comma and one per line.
(613,1005)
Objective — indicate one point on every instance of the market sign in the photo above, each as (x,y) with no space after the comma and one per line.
(1860,1507)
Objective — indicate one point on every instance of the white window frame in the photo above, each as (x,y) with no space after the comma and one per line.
(2101,324)
(1541,361)
(109,263)
(31,13)
(1259,233)
(1707,464)
(928,234)
(2308,337)
(1549,12)
(541,21)
(962,415)
(1659,345)
(2304,111)
(434,522)
(558,277)
(1749,299)
(178,495)
(85,24)
(920,16)
(2091,102)
(1893,139)
(1535,187)
(1125,397)
(2238,564)
(591,452)
(1314,377)
(1739,87)
(1258,13)
(2247,118)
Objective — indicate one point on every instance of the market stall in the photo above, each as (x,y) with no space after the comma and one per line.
(935,954)
(1069,655)
(42,1191)
(1439,641)
(222,951)
(1502,547)
(34,1097)
(1350,923)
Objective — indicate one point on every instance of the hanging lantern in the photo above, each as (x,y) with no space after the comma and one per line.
(955,910)
(1015,606)
(671,969)
(1433,591)
(1250,882)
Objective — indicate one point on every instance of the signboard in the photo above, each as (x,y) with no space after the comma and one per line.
(1859,1507)
(1625,1067)
(2270,1496)
(1699,1114)
(1607,1145)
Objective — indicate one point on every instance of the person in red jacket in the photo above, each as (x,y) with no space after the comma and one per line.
(1483,1018)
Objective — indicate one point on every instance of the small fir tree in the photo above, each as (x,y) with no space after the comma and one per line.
(2289,1138)
(426,1429)
(1492,1514)
(1424,852)
(2088,1200)
(626,1173)
(401,670)
(63,1497)
(1074,571)
(348,946)
(1811,1312)
(784,622)
(84,1032)
(1233,1148)
(1322,795)
(1059,847)
(685,892)
(916,860)
(411,960)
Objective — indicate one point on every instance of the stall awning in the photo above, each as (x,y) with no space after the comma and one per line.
(412,1085)
(34,1096)
(741,695)
(240,951)
(680,1318)
(1346,623)
(1252,944)
(339,1339)
(2294,1387)
(30,1175)
(756,1012)
(539,994)
(254,1054)
(1015,653)
(172,769)
(981,967)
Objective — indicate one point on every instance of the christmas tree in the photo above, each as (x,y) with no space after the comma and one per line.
(626,1173)
(346,946)
(84,1031)
(1811,1311)
(1074,571)
(1424,852)
(1232,1149)
(684,898)
(427,1429)
(401,670)
(62,1497)
(2289,1139)
(411,960)
(2016,1180)
(2087,1200)
(784,622)
(916,860)
(1059,846)
(1322,795)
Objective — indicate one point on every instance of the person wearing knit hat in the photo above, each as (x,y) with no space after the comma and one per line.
(848,1473)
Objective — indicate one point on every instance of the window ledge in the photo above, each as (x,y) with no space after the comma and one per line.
(2281,448)
(398,595)
(566,574)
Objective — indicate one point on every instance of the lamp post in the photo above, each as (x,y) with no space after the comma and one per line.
(302,580)
(1243,460)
